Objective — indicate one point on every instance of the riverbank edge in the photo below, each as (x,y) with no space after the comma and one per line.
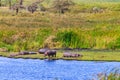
(68,59)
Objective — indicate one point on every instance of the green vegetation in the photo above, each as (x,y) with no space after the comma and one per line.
(93,1)
(89,24)
(93,26)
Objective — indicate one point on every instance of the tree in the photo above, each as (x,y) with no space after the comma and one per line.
(21,2)
(0,3)
(17,6)
(33,7)
(42,8)
(62,5)
(10,3)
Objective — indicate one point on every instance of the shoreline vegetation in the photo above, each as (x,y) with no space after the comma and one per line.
(88,55)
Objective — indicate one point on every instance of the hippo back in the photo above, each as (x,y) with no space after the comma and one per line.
(50,53)
(43,50)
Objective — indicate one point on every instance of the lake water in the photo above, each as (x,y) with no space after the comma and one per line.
(29,69)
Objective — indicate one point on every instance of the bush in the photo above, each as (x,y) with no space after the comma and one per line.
(115,44)
(69,39)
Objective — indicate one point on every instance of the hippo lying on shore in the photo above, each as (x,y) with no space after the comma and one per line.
(26,53)
(13,55)
(22,53)
(72,55)
(43,50)
(50,53)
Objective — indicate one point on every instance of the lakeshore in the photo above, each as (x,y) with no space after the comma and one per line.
(88,55)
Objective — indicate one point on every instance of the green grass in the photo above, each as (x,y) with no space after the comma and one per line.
(85,30)
(92,1)
(48,3)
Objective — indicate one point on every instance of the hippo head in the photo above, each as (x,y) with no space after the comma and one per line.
(46,53)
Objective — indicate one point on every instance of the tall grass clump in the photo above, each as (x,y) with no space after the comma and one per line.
(16,39)
(70,38)
(67,37)
(113,75)
(115,44)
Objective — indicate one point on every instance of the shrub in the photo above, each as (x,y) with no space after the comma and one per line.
(69,39)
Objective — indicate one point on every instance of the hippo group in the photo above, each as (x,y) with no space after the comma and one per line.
(47,52)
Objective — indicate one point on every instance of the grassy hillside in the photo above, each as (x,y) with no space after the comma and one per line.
(87,1)
(78,28)
(26,2)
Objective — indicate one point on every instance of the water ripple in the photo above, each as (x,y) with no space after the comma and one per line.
(29,69)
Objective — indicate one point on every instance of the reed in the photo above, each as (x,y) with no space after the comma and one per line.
(113,75)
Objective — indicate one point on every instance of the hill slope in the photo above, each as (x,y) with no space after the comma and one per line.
(78,28)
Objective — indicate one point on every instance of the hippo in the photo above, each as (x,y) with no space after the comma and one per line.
(26,53)
(50,53)
(72,55)
(13,55)
(32,52)
(43,50)
(66,54)
(23,53)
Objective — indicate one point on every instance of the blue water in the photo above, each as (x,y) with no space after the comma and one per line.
(29,69)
